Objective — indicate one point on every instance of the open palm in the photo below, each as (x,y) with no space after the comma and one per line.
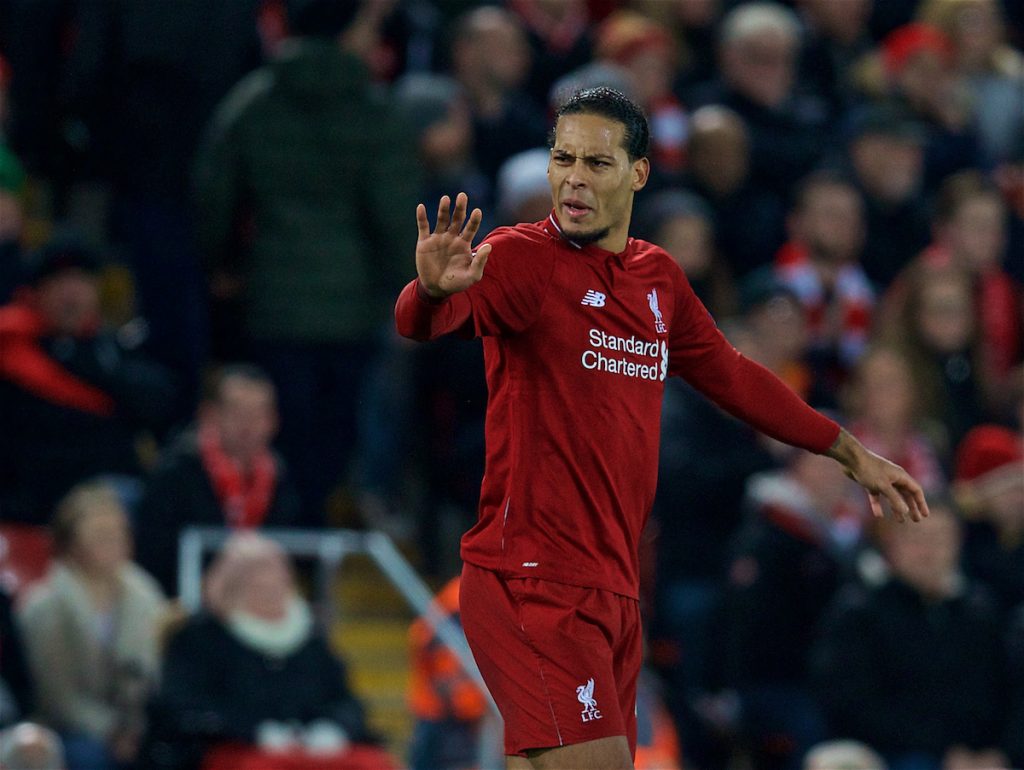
(445,260)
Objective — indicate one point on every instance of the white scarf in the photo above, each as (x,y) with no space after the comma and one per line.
(274,638)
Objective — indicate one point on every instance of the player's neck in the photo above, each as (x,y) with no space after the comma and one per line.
(614,242)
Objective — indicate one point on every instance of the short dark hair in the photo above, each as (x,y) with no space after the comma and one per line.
(321,18)
(214,390)
(959,188)
(65,252)
(822,177)
(612,104)
(81,500)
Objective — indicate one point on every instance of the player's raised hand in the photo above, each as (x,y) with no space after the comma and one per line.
(445,259)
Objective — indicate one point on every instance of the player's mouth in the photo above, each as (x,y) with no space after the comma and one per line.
(575,208)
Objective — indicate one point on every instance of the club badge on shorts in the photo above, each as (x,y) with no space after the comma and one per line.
(585,695)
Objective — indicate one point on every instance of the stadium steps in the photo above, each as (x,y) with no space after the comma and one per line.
(371,632)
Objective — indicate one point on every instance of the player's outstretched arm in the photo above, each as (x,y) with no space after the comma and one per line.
(445,260)
(881,479)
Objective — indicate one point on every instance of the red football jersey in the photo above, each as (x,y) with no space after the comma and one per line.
(577,344)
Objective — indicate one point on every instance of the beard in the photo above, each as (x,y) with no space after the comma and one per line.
(585,239)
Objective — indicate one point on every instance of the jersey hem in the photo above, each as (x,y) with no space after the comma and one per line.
(551,576)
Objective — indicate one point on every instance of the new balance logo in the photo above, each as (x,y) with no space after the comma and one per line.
(585,695)
(593,298)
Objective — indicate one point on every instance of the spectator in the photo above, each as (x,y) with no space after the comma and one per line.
(596,74)
(657,744)
(843,755)
(777,324)
(322,170)
(445,701)
(29,746)
(994,71)
(886,156)
(748,217)
(970,227)
(523,194)
(836,37)
(914,667)
(939,335)
(12,191)
(5,73)
(990,487)
(706,458)
(821,264)
(692,24)
(90,633)
(559,35)
(917,71)
(252,667)
(490,58)
(16,690)
(74,394)
(222,473)
(434,108)
(648,54)
(1009,178)
(785,565)
(884,402)
(759,46)
(1014,740)
(682,224)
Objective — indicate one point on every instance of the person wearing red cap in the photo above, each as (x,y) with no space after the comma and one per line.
(75,394)
(989,485)
(917,59)
(648,54)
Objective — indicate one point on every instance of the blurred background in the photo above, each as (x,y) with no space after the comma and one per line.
(206,215)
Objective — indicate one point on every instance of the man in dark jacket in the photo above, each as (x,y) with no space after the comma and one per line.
(74,395)
(786,562)
(936,702)
(316,164)
(224,473)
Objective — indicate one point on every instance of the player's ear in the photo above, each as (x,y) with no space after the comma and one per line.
(641,173)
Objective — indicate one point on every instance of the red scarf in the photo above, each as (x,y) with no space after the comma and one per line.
(244,498)
(24,362)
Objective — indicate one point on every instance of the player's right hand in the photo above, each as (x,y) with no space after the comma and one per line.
(445,260)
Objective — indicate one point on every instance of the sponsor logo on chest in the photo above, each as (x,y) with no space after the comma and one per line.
(632,356)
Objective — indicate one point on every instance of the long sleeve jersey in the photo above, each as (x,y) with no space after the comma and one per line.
(578,342)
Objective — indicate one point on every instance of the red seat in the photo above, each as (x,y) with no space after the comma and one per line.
(236,757)
(25,554)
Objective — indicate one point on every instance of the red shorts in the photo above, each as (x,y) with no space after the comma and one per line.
(560,661)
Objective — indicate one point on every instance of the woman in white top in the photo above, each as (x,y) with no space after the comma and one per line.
(90,632)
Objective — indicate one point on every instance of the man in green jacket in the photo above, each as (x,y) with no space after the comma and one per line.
(304,183)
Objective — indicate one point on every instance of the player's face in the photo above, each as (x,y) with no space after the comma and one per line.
(593,180)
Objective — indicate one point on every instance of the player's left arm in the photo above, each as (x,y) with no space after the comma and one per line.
(704,358)
(880,477)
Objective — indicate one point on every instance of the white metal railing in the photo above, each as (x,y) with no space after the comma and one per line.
(330,548)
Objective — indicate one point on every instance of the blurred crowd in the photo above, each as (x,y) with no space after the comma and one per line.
(206,214)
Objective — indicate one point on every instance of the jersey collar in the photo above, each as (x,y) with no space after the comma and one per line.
(553,228)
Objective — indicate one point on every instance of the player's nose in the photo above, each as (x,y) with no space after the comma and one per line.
(577,176)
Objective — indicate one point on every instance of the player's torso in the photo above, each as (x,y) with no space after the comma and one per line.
(573,422)
(602,331)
